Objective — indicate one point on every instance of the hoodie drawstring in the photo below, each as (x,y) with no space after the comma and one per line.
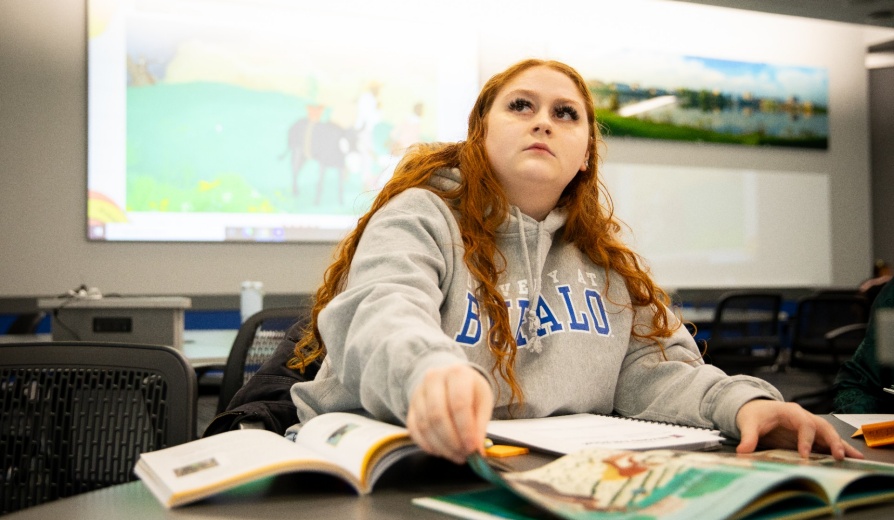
(532,321)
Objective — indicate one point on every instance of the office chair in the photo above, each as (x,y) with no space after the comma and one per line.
(745,332)
(255,343)
(841,344)
(816,316)
(76,415)
(836,292)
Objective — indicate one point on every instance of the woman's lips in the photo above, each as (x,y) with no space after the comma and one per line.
(540,147)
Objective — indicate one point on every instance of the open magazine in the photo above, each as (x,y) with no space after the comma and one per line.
(600,484)
(350,446)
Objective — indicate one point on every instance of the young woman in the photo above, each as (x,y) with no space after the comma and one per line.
(489,280)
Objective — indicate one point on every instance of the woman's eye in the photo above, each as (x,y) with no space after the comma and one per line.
(520,104)
(567,113)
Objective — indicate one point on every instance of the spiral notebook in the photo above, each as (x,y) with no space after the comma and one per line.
(569,433)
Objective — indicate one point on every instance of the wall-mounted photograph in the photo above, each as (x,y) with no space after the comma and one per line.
(649,94)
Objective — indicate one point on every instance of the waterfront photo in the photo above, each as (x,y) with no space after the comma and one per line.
(689,98)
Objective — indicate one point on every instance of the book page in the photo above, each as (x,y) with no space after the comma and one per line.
(353,441)
(205,466)
(605,484)
(570,433)
(841,480)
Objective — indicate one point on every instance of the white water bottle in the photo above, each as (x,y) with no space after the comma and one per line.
(251,298)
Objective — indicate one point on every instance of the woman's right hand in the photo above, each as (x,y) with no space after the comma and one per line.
(449,412)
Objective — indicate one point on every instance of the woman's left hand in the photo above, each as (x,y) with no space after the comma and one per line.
(787,425)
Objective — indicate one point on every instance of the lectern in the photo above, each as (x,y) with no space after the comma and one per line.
(152,319)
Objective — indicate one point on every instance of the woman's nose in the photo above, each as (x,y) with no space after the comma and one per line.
(543,127)
(542,122)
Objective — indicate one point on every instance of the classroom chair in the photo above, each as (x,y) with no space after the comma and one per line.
(76,415)
(255,343)
(841,343)
(816,316)
(745,332)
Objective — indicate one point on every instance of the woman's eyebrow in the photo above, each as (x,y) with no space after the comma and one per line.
(523,92)
(537,95)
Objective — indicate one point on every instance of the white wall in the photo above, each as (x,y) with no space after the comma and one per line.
(43,141)
(882,128)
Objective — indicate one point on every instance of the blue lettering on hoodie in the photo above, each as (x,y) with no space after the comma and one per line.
(578,320)
(600,320)
(584,324)
(471,331)
(547,317)
(522,307)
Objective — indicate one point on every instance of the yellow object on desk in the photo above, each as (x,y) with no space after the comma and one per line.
(876,434)
(502,450)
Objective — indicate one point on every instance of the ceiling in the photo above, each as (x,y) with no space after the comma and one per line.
(865,12)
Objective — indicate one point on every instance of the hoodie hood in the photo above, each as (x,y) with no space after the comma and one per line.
(449,179)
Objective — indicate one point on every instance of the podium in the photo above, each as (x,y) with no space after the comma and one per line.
(152,319)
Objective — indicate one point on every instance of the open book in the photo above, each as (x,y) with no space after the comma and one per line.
(350,446)
(569,433)
(599,484)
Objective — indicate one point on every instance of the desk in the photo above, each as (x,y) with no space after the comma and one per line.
(208,348)
(703,317)
(846,430)
(203,349)
(320,496)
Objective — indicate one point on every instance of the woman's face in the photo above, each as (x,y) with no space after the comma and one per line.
(537,138)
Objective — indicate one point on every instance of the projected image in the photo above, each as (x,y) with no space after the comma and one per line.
(256,121)
(689,98)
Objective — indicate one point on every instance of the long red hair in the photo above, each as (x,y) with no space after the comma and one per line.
(481,206)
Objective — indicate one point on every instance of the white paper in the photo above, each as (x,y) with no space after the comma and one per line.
(859,419)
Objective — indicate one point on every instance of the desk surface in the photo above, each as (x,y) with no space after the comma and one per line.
(320,496)
(205,348)
(704,316)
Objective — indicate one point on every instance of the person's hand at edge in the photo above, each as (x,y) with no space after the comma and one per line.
(449,412)
(786,425)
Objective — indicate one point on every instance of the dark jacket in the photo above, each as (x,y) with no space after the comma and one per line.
(861,379)
(265,397)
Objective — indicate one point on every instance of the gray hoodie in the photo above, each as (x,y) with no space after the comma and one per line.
(409,306)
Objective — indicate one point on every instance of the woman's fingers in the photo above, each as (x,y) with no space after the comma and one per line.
(787,425)
(449,412)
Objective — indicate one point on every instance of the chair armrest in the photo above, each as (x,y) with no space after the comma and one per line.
(845,329)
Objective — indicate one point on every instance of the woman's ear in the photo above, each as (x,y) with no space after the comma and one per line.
(586,163)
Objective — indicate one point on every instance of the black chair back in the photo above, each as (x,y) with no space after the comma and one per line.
(255,343)
(842,343)
(75,416)
(745,331)
(816,316)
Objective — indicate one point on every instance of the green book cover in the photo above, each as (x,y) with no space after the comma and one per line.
(488,504)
